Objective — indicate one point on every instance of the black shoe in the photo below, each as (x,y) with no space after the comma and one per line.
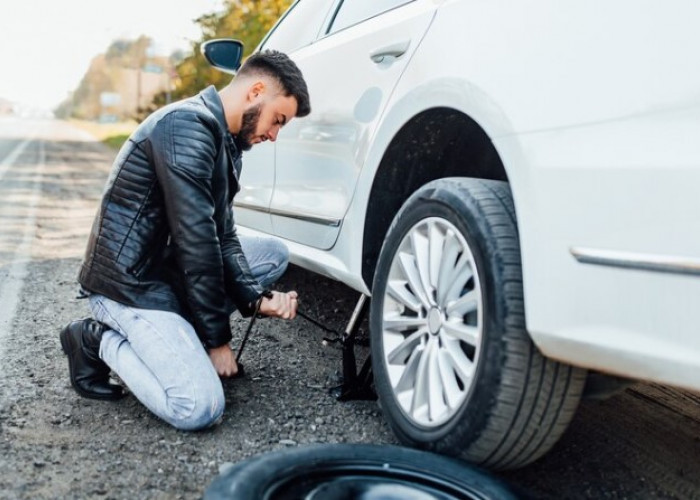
(89,375)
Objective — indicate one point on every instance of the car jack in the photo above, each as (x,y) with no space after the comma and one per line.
(356,386)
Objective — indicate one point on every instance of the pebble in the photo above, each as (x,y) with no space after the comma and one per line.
(225,467)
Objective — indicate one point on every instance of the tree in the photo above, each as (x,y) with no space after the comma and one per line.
(108,73)
(245,20)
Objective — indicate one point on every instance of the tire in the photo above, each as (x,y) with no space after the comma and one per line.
(347,471)
(454,367)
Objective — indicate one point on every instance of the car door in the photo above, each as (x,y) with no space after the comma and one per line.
(300,26)
(351,72)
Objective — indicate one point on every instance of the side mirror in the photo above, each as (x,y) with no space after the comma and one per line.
(223,54)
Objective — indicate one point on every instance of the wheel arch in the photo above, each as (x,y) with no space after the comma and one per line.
(434,143)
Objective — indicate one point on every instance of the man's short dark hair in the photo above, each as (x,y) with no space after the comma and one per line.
(279,66)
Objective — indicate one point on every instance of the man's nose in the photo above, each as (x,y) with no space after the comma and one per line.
(272,133)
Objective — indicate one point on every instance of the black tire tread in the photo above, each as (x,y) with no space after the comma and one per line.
(256,477)
(524,435)
(536,397)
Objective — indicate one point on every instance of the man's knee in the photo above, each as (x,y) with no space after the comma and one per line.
(280,252)
(278,255)
(283,258)
(205,411)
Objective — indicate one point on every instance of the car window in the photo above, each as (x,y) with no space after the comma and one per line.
(355,11)
(299,26)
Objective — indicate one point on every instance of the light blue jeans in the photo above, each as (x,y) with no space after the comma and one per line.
(159,356)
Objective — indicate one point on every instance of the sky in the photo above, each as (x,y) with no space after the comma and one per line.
(47,45)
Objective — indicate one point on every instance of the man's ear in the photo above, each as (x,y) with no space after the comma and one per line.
(255,91)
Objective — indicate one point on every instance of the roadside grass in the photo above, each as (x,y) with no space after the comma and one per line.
(115,141)
(111,134)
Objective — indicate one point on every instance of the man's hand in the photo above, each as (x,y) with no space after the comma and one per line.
(223,360)
(281,305)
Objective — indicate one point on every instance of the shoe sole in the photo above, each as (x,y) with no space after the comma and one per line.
(89,395)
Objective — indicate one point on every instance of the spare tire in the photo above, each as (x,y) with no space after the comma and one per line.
(354,471)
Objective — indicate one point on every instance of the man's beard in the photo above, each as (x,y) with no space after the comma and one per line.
(249,124)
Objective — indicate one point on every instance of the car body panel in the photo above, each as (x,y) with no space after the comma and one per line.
(253,200)
(257,183)
(613,186)
(601,163)
(594,110)
(319,158)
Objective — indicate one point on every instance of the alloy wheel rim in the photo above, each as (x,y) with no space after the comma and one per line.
(432,322)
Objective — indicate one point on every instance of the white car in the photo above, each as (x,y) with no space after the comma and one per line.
(514,183)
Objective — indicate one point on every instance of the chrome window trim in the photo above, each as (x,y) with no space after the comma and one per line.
(327,30)
(321,30)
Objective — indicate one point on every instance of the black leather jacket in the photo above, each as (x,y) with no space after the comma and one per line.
(164,236)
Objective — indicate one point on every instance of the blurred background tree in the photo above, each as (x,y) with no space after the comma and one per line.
(245,20)
(119,83)
(129,82)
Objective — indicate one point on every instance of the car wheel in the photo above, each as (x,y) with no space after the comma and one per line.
(347,471)
(455,369)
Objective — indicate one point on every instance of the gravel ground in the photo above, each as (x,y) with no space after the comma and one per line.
(55,444)
(643,443)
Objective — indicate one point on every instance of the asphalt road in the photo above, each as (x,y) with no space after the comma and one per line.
(642,443)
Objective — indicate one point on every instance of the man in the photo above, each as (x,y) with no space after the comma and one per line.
(164,267)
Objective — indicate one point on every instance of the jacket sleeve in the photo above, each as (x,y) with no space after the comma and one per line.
(243,289)
(184,153)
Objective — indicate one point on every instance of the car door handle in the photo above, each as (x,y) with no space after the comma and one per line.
(394,50)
